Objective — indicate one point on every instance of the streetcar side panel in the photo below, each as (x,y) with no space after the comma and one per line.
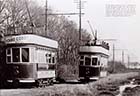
(46,60)
(104,66)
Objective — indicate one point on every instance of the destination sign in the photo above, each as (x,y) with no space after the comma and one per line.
(15,39)
(31,39)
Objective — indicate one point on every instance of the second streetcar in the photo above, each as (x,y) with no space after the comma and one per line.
(93,60)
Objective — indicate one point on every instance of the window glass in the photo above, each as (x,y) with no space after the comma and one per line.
(16,54)
(53,59)
(8,58)
(94,61)
(87,60)
(8,51)
(51,67)
(81,62)
(49,58)
(42,67)
(82,57)
(25,54)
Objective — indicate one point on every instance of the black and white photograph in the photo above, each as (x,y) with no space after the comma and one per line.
(69,48)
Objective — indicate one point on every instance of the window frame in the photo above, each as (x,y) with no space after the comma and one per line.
(20,55)
(8,55)
(85,60)
(53,55)
(96,61)
(82,60)
(50,56)
(28,54)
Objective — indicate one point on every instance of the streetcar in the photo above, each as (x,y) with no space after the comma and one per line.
(30,58)
(93,60)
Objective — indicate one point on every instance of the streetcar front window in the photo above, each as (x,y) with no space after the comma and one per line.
(81,62)
(8,58)
(16,54)
(94,61)
(82,57)
(87,60)
(25,54)
(8,51)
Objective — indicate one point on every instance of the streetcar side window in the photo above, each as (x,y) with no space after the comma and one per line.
(51,58)
(51,67)
(25,54)
(47,58)
(16,54)
(87,60)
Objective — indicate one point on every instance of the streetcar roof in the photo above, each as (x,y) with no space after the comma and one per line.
(94,49)
(30,39)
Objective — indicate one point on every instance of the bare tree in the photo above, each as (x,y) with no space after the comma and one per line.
(27,17)
(17,16)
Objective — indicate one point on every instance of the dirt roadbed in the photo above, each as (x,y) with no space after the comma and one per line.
(88,89)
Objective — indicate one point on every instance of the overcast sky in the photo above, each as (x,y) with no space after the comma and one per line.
(125,29)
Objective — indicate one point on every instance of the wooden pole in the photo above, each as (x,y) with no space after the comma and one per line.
(46,21)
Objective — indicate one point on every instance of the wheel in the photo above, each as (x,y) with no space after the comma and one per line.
(44,82)
(51,82)
(87,79)
(3,84)
(15,84)
(39,83)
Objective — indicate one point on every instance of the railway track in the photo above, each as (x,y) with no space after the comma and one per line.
(102,87)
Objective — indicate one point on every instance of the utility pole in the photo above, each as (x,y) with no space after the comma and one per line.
(113,51)
(122,57)
(128,61)
(80,11)
(113,57)
(46,16)
(80,14)
(46,21)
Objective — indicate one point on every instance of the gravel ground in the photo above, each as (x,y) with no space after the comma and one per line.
(89,89)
